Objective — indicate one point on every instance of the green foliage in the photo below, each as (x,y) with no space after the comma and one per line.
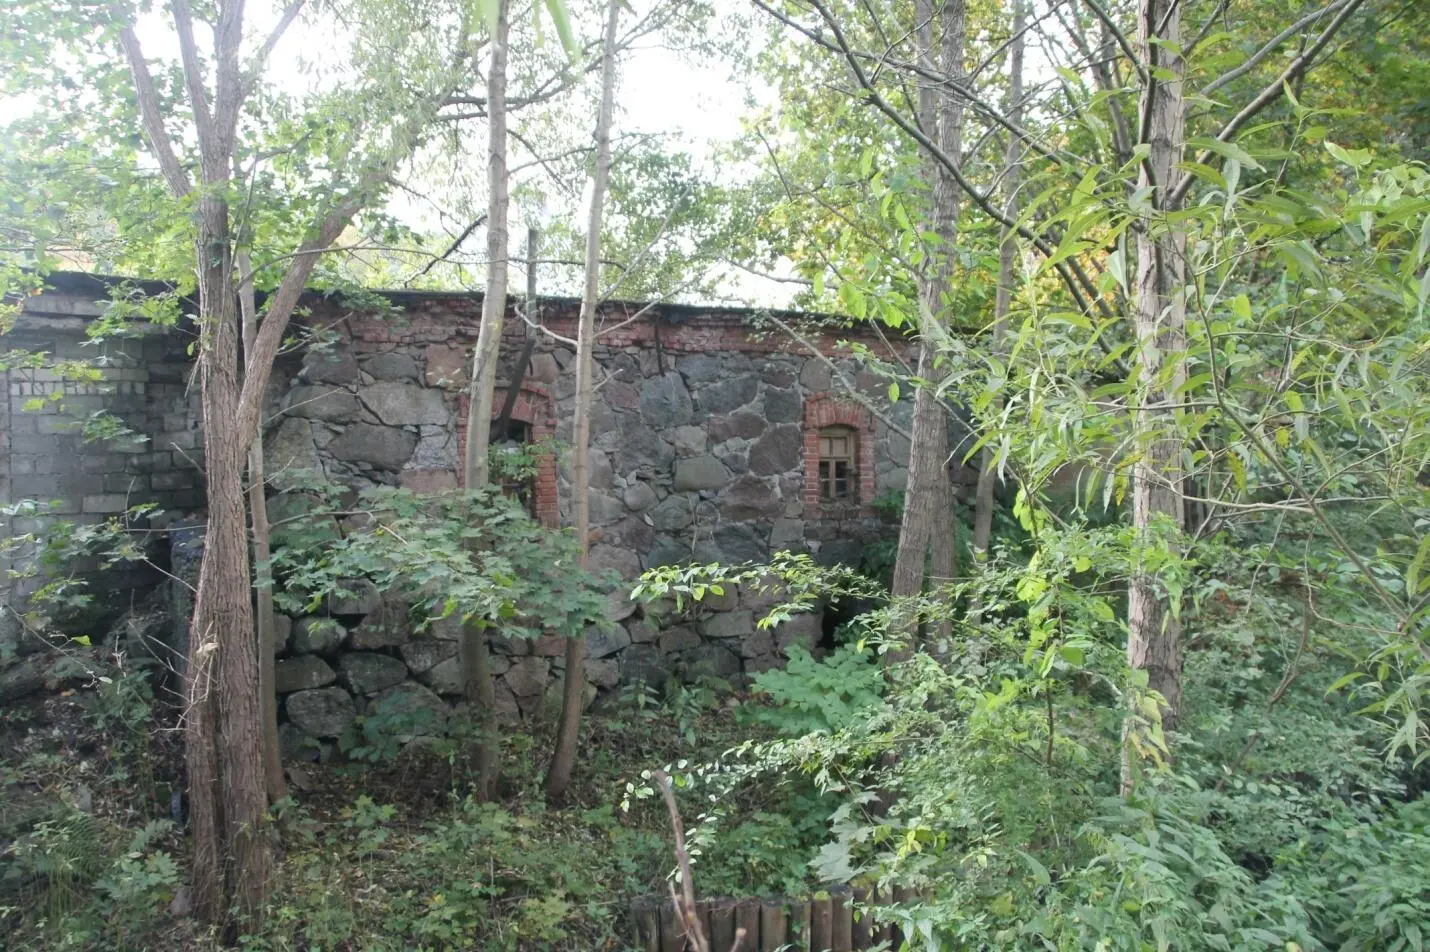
(811,695)
(75,890)
(480,553)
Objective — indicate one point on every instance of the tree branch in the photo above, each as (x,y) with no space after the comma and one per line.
(150,113)
(1270,94)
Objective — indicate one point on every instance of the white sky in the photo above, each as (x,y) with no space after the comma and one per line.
(694,106)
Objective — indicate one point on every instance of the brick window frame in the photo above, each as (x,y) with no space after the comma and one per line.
(823,410)
(533,407)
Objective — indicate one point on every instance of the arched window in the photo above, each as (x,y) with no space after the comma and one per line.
(838,457)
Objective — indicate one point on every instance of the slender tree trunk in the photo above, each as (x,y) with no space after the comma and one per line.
(928,518)
(262,551)
(1154,635)
(488,350)
(1007,252)
(476,664)
(563,758)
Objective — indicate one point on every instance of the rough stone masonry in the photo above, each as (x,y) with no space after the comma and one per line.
(707,433)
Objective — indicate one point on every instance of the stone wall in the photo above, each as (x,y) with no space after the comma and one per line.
(141,380)
(703,429)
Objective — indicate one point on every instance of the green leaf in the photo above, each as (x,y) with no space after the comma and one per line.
(557,10)
(1352,157)
(1227,150)
(893,391)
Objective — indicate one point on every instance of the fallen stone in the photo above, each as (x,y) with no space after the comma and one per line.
(303,673)
(326,712)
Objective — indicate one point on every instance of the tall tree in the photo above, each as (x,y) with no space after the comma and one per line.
(1154,630)
(476,665)
(224,712)
(563,757)
(926,533)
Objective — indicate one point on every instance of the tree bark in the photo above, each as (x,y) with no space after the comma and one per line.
(1154,635)
(262,552)
(1007,253)
(563,757)
(476,663)
(488,349)
(223,664)
(928,518)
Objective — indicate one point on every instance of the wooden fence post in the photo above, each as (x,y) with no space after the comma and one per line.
(774,927)
(646,913)
(864,926)
(821,922)
(722,926)
(841,938)
(799,924)
(747,917)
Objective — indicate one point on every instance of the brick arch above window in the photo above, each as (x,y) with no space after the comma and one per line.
(825,410)
(535,408)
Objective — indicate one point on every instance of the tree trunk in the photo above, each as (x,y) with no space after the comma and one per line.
(476,667)
(928,518)
(262,552)
(1007,252)
(224,688)
(563,758)
(1154,635)
(488,349)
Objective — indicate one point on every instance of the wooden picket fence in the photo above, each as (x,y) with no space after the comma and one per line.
(837,921)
